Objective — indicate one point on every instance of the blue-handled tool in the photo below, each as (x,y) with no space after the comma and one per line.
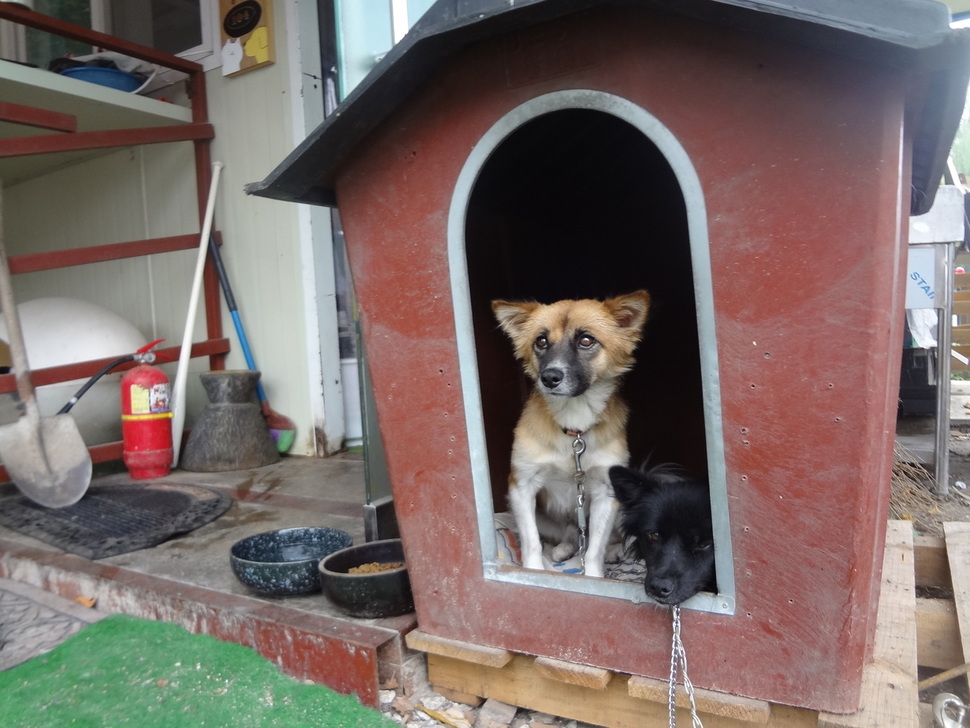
(281,428)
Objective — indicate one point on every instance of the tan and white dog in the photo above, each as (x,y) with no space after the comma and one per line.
(576,351)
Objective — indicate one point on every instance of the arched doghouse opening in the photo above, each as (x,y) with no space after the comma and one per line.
(580,204)
(571,200)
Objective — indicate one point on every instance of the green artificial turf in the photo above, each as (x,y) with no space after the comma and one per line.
(124,671)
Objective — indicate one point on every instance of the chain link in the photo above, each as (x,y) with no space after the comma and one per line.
(678,657)
(579,447)
(672,681)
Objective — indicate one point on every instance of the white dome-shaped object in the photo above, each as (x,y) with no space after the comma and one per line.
(61,331)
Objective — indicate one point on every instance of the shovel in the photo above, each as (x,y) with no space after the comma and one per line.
(45,457)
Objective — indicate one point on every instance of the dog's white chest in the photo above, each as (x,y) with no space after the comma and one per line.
(555,475)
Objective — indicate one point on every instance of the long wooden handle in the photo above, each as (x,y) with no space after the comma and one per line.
(181,374)
(15,336)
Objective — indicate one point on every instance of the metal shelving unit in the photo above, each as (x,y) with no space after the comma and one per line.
(47,120)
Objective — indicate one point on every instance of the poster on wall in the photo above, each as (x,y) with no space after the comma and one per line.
(247,35)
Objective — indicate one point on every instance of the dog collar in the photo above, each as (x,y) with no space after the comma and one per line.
(572,433)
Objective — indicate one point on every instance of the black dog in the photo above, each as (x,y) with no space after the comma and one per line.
(668,515)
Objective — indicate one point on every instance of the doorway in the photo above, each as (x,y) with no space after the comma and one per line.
(567,198)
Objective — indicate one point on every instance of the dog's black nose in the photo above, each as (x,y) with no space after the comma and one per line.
(551,377)
(660,588)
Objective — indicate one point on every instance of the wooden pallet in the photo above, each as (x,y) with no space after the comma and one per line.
(944,623)
(470,672)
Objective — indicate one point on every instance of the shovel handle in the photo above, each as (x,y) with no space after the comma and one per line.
(18,352)
(182,372)
(234,313)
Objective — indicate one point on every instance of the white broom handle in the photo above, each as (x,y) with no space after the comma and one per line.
(182,373)
(15,336)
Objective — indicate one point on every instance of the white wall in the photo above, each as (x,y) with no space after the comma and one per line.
(279,254)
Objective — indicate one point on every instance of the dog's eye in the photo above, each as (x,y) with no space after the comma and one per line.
(703,546)
(586,341)
(541,342)
(655,537)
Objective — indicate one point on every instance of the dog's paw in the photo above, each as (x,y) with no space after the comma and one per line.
(534,561)
(615,553)
(563,551)
(593,570)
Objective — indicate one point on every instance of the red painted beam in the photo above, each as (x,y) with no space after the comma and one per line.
(100,253)
(81,141)
(85,369)
(106,452)
(40,118)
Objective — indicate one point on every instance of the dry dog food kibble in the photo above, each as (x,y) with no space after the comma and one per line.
(374,568)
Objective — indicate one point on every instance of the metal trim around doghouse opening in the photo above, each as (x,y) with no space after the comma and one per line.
(676,156)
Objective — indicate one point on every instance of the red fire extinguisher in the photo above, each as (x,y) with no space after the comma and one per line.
(146,417)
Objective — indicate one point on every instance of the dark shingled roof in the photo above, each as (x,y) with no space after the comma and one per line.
(910,34)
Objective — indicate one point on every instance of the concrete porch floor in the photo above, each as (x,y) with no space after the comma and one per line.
(188,581)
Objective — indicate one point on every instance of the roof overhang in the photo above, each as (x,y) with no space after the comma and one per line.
(907,34)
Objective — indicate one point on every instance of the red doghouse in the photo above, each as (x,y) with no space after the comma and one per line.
(753,165)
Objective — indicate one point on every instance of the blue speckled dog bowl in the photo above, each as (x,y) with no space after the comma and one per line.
(285,562)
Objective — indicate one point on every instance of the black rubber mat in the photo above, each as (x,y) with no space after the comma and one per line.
(115,519)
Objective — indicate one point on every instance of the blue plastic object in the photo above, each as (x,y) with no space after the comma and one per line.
(111,77)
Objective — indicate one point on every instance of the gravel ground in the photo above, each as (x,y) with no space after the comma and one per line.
(432,710)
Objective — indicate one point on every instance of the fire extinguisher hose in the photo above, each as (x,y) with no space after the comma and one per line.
(90,383)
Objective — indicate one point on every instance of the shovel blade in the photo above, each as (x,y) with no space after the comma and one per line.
(48,461)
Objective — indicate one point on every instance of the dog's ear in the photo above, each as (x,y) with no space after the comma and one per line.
(513,315)
(630,311)
(627,484)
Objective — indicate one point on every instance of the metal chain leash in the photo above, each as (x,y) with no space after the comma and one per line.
(579,447)
(678,657)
